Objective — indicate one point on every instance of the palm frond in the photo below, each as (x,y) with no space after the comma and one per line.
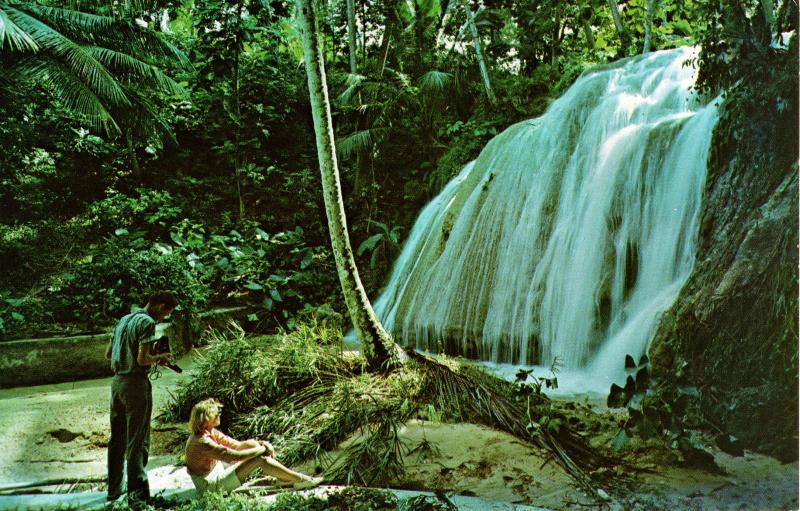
(358,141)
(133,7)
(435,81)
(353,83)
(124,65)
(401,79)
(81,63)
(120,34)
(143,120)
(68,20)
(74,92)
(12,36)
(144,43)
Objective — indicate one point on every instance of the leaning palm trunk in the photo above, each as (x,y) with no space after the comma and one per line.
(476,41)
(378,346)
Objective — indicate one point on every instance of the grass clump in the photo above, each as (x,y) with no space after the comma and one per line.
(244,373)
(345,499)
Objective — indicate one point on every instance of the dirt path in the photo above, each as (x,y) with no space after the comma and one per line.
(61,430)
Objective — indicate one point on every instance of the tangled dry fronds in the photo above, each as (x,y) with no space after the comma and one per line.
(479,398)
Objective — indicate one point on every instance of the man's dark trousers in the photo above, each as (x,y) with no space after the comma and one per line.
(131,407)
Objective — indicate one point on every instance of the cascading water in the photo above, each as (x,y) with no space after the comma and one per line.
(569,234)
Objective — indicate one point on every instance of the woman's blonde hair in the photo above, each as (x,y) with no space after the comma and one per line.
(203,412)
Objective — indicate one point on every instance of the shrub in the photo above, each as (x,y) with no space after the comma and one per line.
(117,274)
(151,210)
(278,272)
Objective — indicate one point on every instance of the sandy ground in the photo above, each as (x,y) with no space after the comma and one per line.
(61,430)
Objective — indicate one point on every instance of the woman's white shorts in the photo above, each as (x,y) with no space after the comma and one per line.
(220,478)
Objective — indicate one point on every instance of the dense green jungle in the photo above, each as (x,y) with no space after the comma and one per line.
(267,160)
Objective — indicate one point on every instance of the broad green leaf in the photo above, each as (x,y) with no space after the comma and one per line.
(369,243)
(276,279)
(620,440)
(616,397)
(177,238)
(253,286)
(382,226)
(689,391)
(275,295)
(306,260)
(374,259)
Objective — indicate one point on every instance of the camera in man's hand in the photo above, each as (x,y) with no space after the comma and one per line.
(160,347)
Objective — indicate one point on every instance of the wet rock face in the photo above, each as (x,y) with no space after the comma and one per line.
(735,321)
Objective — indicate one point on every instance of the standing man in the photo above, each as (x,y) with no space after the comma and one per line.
(131,394)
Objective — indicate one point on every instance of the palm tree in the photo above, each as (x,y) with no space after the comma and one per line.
(476,41)
(98,66)
(378,346)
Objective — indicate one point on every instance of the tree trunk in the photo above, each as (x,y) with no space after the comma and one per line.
(587,29)
(351,34)
(445,7)
(237,155)
(556,34)
(378,346)
(769,15)
(648,20)
(385,54)
(389,24)
(351,41)
(623,35)
(479,53)
(137,171)
(419,36)
(163,22)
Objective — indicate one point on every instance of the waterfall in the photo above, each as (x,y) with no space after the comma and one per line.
(570,234)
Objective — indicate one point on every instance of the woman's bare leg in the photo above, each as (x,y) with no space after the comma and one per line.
(271,467)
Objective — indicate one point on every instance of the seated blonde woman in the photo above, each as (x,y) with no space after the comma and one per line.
(207,447)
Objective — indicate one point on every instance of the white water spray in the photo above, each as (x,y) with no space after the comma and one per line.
(569,235)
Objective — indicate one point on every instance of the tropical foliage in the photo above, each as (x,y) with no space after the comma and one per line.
(165,118)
